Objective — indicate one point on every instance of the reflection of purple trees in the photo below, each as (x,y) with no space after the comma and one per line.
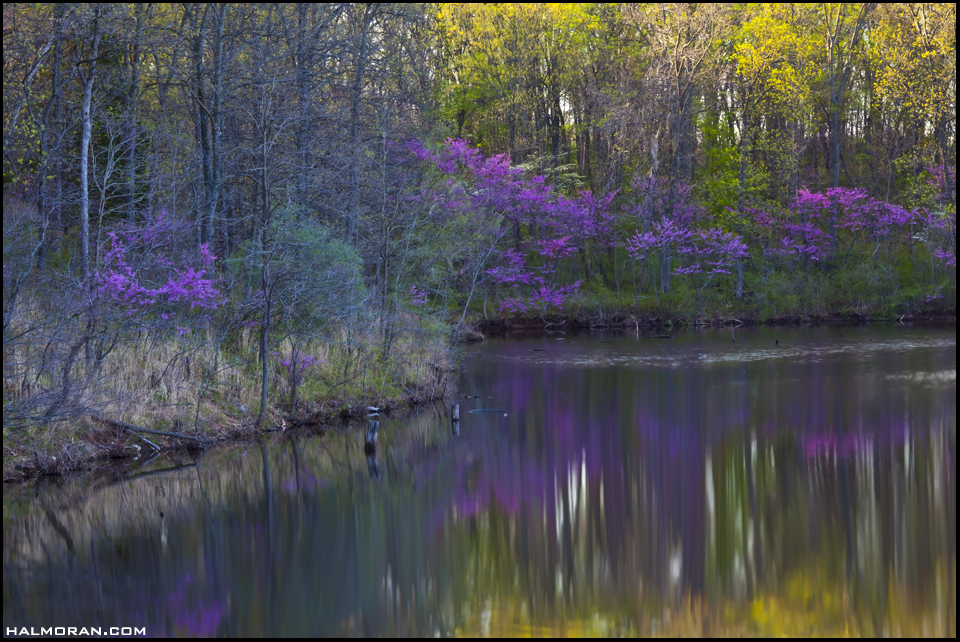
(303,480)
(851,444)
(635,442)
(187,610)
(577,449)
(189,618)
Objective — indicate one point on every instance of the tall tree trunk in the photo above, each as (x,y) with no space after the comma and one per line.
(264,335)
(295,359)
(839,75)
(665,269)
(512,135)
(86,127)
(302,66)
(361,52)
(948,195)
(833,222)
(46,203)
(205,207)
(741,191)
(216,127)
(794,181)
(133,96)
(556,127)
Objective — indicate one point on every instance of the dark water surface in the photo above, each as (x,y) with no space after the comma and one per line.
(625,485)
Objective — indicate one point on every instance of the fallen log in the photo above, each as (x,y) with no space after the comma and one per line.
(135,429)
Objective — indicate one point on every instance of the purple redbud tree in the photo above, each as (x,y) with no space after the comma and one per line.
(707,254)
(486,202)
(664,207)
(146,276)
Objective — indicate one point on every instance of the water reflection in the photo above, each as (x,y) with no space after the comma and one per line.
(812,494)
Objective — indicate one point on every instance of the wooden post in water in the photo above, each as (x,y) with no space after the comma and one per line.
(455,429)
(370,444)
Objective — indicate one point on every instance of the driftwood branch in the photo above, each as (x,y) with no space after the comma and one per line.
(151,444)
(137,429)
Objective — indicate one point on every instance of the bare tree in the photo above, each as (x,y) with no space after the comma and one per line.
(87,54)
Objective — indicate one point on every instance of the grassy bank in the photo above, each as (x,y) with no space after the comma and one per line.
(852,294)
(127,394)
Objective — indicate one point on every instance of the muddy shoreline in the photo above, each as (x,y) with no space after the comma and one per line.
(640,322)
(99,450)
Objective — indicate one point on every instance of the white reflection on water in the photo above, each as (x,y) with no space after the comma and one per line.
(720,354)
(940,377)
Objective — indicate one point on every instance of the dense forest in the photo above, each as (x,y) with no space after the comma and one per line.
(235,214)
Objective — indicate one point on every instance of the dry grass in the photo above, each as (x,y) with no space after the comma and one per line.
(197,384)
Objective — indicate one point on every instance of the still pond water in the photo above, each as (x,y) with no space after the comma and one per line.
(624,485)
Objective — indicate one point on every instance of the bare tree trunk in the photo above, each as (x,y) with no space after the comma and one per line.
(556,127)
(294,375)
(86,126)
(833,221)
(948,195)
(133,96)
(48,167)
(264,271)
(15,115)
(361,52)
(794,180)
(207,204)
(264,334)
(303,62)
(512,135)
(216,126)
(665,270)
(741,194)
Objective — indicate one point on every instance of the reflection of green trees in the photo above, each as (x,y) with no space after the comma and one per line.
(873,563)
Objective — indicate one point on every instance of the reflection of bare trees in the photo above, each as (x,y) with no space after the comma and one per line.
(60,529)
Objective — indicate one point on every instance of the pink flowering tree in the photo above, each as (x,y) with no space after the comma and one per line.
(466,202)
(582,225)
(701,254)
(147,277)
(869,231)
(533,289)
(148,282)
(802,232)
(707,254)
(150,277)
(788,238)
(508,230)
(839,221)
(663,213)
